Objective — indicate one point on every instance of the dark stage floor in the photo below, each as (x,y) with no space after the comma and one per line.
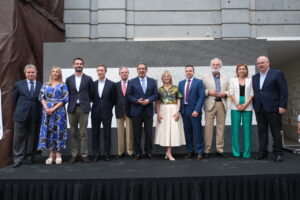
(157,168)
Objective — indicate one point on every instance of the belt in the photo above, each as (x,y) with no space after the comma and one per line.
(218,99)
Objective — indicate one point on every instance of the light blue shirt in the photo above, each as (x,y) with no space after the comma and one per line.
(262,78)
(29,84)
(143,82)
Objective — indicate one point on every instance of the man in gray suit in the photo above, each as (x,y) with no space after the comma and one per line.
(26,117)
(81,93)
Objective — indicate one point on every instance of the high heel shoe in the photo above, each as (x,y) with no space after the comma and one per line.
(49,161)
(58,161)
(169,157)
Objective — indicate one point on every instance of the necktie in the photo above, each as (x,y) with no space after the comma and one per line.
(124,88)
(144,86)
(31,91)
(187,90)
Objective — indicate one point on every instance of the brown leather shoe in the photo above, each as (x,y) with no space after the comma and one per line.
(86,159)
(73,160)
(199,157)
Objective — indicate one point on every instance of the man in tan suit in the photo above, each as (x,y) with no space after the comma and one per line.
(216,92)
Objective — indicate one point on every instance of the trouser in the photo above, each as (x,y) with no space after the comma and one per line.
(137,123)
(81,118)
(218,112)
(274,121)
(236,118)
(128,135)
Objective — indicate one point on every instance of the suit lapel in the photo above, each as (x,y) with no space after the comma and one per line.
(25,85)
(37,88)
(140,86)
(81,82)
(269,74)
(105,88)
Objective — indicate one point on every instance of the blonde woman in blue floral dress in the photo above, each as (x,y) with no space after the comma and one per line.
(169,127)
(53,132)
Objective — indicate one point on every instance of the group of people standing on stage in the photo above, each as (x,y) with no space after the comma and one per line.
(179,112)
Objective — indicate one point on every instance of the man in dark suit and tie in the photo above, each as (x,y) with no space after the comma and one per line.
(122,114)
(142,93)
(103,103)
(193,93)
(26,117)
(270,102)
(81,93)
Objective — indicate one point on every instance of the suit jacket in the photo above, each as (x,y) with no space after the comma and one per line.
(274,92)
(209,83)
(195,99)
(122,104)
(85,94)
(25,104)
(135,92)
(234,89)
(103,106)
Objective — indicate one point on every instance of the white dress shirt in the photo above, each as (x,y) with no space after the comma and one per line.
(262,78)
(101,84)
(77,83)
(29,85)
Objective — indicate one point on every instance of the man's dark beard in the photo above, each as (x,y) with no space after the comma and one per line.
(78,69)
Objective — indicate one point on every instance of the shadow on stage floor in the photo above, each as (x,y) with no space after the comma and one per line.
(214,178)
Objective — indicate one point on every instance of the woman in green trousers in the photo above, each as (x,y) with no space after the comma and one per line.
(241,94)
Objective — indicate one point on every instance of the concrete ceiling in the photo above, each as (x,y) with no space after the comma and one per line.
(282,52)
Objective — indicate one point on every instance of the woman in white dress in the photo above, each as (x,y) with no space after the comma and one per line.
(169,128)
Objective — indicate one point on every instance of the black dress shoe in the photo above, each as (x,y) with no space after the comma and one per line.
(149,155)
(15,165)
(199,157)
(137,157)
(189,155)
(261,156)
(223,155)
(96,158)
(206,155)
(107,158)
(278,158)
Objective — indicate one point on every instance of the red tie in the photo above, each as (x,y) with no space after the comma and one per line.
(124,88)
(187,90)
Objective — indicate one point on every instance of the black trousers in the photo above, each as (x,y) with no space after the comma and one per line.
(138,122)
(96,124)
(25,139)
(274,121)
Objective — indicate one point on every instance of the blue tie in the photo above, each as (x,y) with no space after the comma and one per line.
(143,86)
(31,89)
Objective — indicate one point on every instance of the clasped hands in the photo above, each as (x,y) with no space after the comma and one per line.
(143,102)
(217,94)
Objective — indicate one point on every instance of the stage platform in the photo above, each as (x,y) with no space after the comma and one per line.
(210,179)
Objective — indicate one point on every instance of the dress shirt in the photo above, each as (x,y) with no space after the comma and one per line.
(145,82)
(262,78)
(29,84)
(101,84)
(77,83)
(186,82)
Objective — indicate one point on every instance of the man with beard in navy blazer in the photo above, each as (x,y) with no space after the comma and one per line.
(142,93)
(81,93)
(103,103)
(270,102)
(26,116)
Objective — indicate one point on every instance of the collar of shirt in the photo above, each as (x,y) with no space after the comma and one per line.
(190,79)
(141,79)
(28,81)
(264,74)
(102,81)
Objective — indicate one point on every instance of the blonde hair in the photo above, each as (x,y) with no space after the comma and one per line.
(168,73)
(60,75)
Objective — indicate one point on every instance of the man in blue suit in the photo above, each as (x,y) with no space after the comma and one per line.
(270,102)
(103,103)
(142,93)
(191,110)
(26,117)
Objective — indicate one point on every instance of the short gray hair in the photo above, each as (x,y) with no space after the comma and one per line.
(265,57)
(28,66)
(123,67)
(216,59)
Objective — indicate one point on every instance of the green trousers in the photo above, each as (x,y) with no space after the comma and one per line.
(236,118)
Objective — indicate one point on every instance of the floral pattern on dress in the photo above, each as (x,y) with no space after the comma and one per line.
(169,96)
(53,131)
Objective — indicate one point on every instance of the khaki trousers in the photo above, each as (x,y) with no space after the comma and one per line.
(218,112)
(81,118)
(122,123)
